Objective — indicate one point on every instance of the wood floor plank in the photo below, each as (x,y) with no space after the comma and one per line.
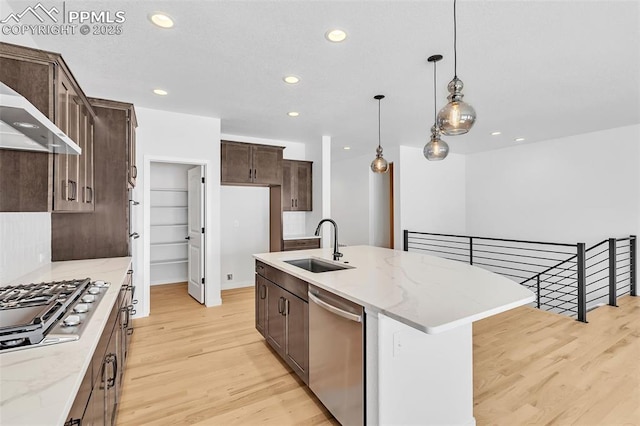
(209,366)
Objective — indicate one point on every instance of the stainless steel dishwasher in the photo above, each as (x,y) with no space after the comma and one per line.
(336,355)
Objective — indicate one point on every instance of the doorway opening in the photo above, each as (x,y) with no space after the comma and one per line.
(381,226)
(177,230)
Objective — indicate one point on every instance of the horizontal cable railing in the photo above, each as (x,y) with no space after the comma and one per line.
(566,278)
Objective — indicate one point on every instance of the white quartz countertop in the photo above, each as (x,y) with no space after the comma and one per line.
(38,385)
(300,237)
(428,293)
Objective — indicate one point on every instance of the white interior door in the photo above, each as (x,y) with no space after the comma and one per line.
(196,235)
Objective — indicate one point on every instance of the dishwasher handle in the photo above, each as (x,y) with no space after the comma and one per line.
(344,314)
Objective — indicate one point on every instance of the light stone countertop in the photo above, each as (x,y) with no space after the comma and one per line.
(425,292)
(38,385)
(300,237)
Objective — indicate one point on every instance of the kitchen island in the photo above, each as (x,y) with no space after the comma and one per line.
(38,385)
(419,310)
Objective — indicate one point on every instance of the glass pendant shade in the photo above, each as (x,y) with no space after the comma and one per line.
(379,164)
(457,117)
(436,149)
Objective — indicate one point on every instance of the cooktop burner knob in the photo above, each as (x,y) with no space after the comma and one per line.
(94,290)
(100,283)
(81,308)
(72,320)
(88,298)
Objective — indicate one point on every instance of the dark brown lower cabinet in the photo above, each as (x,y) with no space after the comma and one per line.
(96,402)
(261,304)
(283,318)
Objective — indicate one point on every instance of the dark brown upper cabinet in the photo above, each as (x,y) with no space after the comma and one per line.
(249,164)
(297,185)
(105,233)
(35,181)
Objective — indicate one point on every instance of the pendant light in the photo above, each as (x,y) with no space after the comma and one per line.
(436,149)
(457,117)
(379,164)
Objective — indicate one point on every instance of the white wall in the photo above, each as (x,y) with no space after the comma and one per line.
(25,244)
(178,138)
(244,230)
(350,199)
(431,194)
(244,213)
(583,188)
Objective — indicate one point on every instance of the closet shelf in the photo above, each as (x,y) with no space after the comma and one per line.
(170,243)
(168,190)
(169,225)
(169,207)
(168,261)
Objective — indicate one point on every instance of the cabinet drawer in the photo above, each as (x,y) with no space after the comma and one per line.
(290,283)
(307,243)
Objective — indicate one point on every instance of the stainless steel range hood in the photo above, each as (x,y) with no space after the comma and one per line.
(24,127)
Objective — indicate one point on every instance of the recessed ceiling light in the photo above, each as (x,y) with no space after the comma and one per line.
(518,139)
(335,36)
(291,79)
(293,114)
(346,148)
(496,133)
(162,20)
(160,92)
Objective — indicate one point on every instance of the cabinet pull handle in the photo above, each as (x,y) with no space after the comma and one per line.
(280,307)
(73,192)
(134,171)
(130,331)
(73,422)
(249,173)
(296,202)
(286,307)
(263,294)
(255,174)
(90,192)
(292,202)
(113,359)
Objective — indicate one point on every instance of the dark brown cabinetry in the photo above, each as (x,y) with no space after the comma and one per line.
(73,188)
(297,185)
(34,181)
(248,164)
(105,232)
(301,244)
(97,400)
(282,316)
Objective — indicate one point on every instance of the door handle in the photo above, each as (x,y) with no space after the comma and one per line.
(187,237)
(333,309)
(134,172)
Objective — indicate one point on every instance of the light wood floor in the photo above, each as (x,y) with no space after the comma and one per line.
(194,365)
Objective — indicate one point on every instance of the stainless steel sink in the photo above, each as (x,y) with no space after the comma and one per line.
(316,265)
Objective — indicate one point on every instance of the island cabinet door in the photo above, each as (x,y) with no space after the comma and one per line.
(261,304)
(276,332)
(297,343)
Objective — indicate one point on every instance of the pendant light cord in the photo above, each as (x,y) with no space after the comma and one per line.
(455,43)
(378,123)
(435,105)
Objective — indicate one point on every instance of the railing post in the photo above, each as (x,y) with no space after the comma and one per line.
(538,291)
(582,282)
(613,296)
(470,250)
(405,240)
(633,272)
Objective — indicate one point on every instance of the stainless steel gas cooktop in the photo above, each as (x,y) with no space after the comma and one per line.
(40,314)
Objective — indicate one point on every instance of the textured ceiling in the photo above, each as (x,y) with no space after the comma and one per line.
(533,69)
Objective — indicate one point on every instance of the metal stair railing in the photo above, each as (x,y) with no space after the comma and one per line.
(566,278)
